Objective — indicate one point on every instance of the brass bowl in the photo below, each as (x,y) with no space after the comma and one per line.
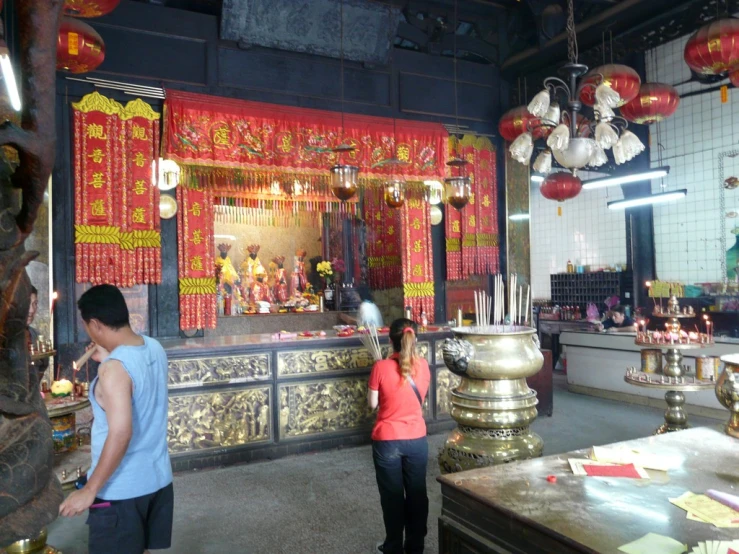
(28,546)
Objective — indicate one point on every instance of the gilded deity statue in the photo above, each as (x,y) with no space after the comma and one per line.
(279,287)
(251,266)
(299,280)
(260,291)
(225,269)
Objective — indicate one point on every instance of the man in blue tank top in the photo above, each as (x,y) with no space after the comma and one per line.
(129,487)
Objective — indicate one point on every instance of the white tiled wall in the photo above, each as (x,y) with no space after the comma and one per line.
(587,233)
(689,232)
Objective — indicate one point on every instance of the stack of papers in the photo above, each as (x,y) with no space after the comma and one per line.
(652,543)
(702,508)
(716,547)
(583,466)
(642,459)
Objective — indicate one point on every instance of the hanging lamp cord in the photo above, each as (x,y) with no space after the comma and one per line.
(572,51)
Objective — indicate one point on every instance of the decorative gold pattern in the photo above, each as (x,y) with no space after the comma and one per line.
(225,369)
(219,419)
(139,108)
(325,406)
(194,285)
(446,381)
(103,234)
(96,102)
(300,362)
(418,290)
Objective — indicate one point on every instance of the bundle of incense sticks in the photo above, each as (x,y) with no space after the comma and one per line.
(371,341)
(483,307)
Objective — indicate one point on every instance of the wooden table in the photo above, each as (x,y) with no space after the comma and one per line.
(513,509)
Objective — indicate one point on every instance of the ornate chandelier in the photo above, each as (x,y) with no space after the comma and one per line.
(571,139)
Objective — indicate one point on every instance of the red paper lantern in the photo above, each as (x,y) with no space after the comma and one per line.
(561,186)
(655,102)
(620,78)
(734,77)
(714,48)
(89,8)
(517,121)
(79,48)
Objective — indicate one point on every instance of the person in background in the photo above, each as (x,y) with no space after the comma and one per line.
(399,445)
(129,487)
(40,365)
(618,322)
(368,312)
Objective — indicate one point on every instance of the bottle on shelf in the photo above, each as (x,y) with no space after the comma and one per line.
(570,267)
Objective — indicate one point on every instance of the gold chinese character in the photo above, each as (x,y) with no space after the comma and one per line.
(97,207)
(96,155)
(455,226)
(196,263)
(196,209)
(472,199)
(417,246)
(97,180)
(94,48)
(138,215)
(391,230)
(222,136)
(485,220)
(404,153)
(139,133)
(286,143)
(197,237)
(139,187)
(486,201)
(95,131)
(416,223)
(378,216)
(139,159)
(417,270)
(472,222)
(378,243)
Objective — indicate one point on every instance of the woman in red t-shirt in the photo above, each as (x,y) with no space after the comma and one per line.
(399,447)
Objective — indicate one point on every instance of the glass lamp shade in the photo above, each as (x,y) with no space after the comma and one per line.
(435,215)
(344,179)
(169,174)
(457,191)
(433,191)
(395,193)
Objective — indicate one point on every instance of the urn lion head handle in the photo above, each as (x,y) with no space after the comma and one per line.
(457,353)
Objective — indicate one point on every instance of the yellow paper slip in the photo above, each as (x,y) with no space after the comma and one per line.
(707,509)
(652,543)
(642,459)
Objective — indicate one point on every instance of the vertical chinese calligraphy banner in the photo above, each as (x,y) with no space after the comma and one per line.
(418,264)
(116,198)
(383,240)
(195,248)
(140,228)
(97,158)
(488,250)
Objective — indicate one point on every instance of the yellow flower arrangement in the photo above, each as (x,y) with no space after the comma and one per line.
(324,269)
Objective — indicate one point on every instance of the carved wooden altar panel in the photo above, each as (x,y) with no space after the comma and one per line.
(446,381)
(223,369)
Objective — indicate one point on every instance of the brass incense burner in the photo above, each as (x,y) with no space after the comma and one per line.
(727,392)
(493,405)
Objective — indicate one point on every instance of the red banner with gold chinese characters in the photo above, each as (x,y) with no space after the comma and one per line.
(196,259)
(268,139)
(117,238)
(453,230)
(418,264)
(384,234)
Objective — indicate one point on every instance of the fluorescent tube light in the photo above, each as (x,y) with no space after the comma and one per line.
(537,178)
(9,77)
(646,200)
(625,179)
(518,217)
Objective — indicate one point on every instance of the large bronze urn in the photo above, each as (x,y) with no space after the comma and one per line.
(493,405)
(727,392)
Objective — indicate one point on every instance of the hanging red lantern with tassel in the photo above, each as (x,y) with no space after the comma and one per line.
(517,121)
(655,102)
(621,78)
(89,8)
(561,186)
(714,48)
(79,48)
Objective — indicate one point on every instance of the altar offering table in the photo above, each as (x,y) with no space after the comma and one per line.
(513,509)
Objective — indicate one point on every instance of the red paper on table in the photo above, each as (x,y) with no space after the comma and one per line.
(627,470)
(732,551)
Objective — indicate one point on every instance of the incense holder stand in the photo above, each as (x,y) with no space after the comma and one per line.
(493,406)
(727,392)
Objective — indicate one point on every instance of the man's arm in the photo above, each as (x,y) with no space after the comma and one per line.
(624,329)
(116,390)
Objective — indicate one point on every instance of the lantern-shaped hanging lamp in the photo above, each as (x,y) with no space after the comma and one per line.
(714,48)
(432,192)
(655,102)
(457,191)
(621,78)
(561,186)
(435,215)
(516,121)
(79,47)
(395,193)
(89,8)
(169,174)
(344,181)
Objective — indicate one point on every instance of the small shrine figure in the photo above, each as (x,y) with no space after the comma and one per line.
(225,269)
(260,291)
(279,289)
(271,274)
(299,279)
(251,266)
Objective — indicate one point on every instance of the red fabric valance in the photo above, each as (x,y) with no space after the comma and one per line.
(220,132)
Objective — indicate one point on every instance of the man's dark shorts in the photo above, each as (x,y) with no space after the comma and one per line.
(133,525)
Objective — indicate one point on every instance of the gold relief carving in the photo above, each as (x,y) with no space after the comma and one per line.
(300,362)
(446,381)
(323,407)
(218,419)
(439,356)
(226,369)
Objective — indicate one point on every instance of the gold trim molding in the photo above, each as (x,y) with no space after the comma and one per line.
(196,372)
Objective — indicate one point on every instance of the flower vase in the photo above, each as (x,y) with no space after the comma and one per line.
(329,296)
